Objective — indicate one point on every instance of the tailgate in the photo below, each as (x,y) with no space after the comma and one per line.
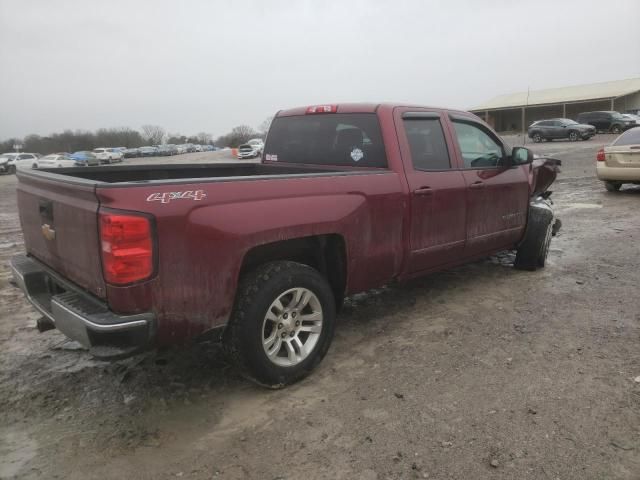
(60,224)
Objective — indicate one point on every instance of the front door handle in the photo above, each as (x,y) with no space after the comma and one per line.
(476,185)
(423,191)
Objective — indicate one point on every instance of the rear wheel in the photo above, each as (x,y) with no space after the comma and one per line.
(532,252)
(612,186)
(282,323)
(537,137)
(574,137)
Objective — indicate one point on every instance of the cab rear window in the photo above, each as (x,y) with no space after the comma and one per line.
(346,139)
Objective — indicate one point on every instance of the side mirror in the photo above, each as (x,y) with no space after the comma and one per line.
(521,156)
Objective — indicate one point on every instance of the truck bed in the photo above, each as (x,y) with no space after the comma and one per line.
(219,171)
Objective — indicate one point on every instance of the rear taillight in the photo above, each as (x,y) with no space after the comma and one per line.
(600,155)
(127,248)
(322,109)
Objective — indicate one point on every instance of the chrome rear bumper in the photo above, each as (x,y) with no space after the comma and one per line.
(78,314)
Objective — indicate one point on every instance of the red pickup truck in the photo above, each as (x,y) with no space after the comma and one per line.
(260,256)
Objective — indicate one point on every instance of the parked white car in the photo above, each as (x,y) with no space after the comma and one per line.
(57,161)
(6,163)
(108,155)
(253,148)
(257,144)
(20,160)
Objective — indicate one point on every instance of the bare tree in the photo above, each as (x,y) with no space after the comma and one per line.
(153,134)
(264,126)
(204,138)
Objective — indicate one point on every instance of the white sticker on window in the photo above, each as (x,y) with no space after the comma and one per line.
(356,154)
(271,157)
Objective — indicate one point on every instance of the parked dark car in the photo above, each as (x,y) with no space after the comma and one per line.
(560,128)
(148,151)
(612,122)
(131,153)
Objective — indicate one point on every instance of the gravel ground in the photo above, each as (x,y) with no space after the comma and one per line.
(477,372)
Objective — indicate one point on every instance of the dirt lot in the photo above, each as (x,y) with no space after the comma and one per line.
(478,372)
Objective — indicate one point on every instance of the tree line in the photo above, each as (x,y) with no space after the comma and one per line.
(73,141)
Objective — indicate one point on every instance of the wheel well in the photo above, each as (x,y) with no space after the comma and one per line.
(325,253)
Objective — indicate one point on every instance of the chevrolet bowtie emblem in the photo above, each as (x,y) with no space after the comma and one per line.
(48,232)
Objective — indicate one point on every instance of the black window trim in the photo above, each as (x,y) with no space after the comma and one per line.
(428,116)
(462,119)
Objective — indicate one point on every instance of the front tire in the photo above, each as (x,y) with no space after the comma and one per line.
(612,186)
(616,129)
(282,323)
(533,251)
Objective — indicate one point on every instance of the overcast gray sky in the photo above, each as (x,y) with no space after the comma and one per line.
(194,66)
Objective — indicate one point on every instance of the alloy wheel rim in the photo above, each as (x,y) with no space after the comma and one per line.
(291,327)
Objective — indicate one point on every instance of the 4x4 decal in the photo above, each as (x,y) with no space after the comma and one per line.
(166,197)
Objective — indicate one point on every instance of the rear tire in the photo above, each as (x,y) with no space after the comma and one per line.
(532,252)
(256,316)
(612,186)
(574,137)
(537,137)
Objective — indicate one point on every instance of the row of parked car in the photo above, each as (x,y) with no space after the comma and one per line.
(9,162)
(585,126)
(166,150)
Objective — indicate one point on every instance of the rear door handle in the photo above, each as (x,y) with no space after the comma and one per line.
(476,185)
(423,191)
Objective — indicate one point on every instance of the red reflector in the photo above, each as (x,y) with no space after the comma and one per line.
(127,248)
(322,109)
(600,155)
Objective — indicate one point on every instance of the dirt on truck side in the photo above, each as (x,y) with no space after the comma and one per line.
(477,372)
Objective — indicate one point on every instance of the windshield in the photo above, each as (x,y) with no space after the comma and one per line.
(566,121)
(617,116)
(349,139)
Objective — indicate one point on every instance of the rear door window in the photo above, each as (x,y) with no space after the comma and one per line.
(345,139)
(427,143)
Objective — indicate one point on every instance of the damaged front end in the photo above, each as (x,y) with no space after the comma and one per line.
(542,174)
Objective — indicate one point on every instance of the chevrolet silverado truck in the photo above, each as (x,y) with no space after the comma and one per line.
(260,256)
